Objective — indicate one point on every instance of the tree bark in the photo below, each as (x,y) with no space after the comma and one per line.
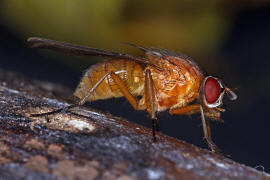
(88,144)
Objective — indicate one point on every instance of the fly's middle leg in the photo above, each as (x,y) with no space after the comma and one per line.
(149,101)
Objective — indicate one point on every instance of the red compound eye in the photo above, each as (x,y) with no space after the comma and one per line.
(211,90)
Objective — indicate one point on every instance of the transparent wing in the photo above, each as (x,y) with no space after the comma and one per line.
(79,50)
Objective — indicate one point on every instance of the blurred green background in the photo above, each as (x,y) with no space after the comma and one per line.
(229,39)
(188,25)
(191,26)
(194,27)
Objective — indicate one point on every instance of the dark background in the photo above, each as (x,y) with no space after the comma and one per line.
(241,58)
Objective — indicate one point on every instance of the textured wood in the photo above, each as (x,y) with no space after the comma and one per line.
(89,144)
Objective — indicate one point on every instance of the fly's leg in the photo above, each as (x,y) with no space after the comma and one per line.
(191,109)
(157,125)
(81,102)
(207,133)
(121,85)
(117,80)
(53,112)
(149,100)
(195,108)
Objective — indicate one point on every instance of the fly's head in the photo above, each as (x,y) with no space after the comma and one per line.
(212,92)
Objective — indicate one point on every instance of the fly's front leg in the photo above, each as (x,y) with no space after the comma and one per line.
(149,101)
(196,108)
(190,109)
(207,133)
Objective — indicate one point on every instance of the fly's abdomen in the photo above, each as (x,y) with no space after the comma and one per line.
(129,71)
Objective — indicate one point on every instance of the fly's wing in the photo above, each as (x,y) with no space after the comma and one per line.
(79,50)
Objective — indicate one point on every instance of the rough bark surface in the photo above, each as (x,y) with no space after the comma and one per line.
(89,144)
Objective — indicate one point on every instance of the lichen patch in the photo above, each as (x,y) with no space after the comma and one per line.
(60,121)
(81,125)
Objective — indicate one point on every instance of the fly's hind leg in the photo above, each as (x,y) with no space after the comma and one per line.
(196,108)
(54,111)
(117,80)
(80,103)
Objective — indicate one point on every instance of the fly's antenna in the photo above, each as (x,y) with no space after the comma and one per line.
(231,95)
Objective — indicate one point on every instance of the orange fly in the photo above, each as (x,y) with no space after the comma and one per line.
(163,80)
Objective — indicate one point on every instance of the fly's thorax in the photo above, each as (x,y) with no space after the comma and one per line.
(177,84)
(193,78)
(129,72)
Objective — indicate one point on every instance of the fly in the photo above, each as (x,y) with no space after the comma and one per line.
(163,80)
